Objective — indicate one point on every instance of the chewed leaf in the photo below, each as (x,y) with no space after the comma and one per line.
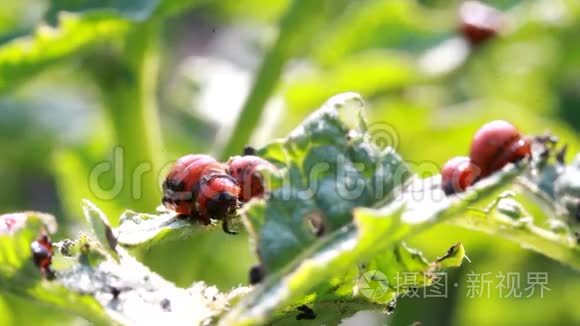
(20,277)
(555,185)
(453,257)
(372,286)
(17,232)
(131,294)
(137,229)
(402,269)
(555,241)
(88,283)
(329,167)
(332,255)
(101,228)
(372,238)
(14,222)
(556,188)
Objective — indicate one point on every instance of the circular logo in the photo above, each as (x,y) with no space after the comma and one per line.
(383,135)
(373,284)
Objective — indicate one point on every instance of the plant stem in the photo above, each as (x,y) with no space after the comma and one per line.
(129,86)
(295,34)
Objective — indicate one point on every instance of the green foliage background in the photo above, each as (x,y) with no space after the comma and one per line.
(116,73)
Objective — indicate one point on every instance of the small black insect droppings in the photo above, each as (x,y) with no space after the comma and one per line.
(256,274)
(166,304)
(115,291)
(305,313)
(391,306)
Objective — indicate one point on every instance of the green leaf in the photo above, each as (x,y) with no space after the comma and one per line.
(453,257)
(137,10)
(365,239)
(18,222)
(372,285)
(137,229)
(559,243)
(21,58)
(94,286)
(19,277)
(555,187)
(332,166)
(101,228)
(131,294)
(297,262)
(133,10)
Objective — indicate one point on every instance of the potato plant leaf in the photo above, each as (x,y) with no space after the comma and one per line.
(89,283)
(101,228)
(297,262)
(136,10)
(138,229)
(20,277)
(133,10)
(329,166)
(131,294)
(555,187)
(22,57)
(512,222)
(362,241)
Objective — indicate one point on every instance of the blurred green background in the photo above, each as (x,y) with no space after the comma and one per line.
(140,83)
